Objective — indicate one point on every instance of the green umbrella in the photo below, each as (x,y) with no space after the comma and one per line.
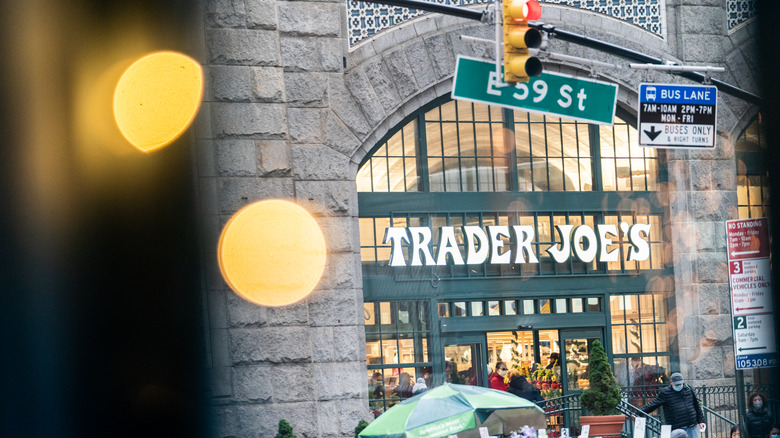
(451,409)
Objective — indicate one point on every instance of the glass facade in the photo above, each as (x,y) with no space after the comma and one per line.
(458,164)
(397,339)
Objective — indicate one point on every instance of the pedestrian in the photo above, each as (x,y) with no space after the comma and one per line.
(759,422)
(775,431)
(734,431)
(681,406)
(497,378)
(420,386)
(521,387)
(404,388)
(552,362)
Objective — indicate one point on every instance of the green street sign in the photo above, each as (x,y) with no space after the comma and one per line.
(551,93)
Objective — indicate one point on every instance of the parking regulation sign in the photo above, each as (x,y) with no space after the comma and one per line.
(750,277)
(677,116)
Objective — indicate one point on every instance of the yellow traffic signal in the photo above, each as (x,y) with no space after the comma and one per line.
(518,38)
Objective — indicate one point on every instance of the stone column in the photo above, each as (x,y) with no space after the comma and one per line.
(268,132)
(702,198)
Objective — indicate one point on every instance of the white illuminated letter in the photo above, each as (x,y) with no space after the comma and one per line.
(421,241)
(585,255)
(562,254)
(492,84)
(525,236)
(496,232)
(581,96)
(611,256)
(474,257)
(396,235)
(522,87)
(640,249)
(565,93)
(448,245)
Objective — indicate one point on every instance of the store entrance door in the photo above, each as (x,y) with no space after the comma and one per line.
(556,359)
(575,358)
(463,359)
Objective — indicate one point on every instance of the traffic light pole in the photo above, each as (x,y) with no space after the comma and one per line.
(641,57)
(564,35)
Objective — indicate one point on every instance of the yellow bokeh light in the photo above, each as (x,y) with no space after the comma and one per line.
(157,98)
(272,253)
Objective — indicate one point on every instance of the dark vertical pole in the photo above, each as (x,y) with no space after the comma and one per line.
(741,402)
(768,41)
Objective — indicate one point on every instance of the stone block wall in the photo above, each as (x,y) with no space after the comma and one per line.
(269,129)
(289,112)
(702,193)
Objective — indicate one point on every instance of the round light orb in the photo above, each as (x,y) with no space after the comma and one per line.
(157,98)
(272,253)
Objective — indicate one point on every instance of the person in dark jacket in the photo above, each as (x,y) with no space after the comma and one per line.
(404,388)
(681,407)
(759,422)
(521,387)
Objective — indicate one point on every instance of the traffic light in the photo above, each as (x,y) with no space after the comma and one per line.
(518,38)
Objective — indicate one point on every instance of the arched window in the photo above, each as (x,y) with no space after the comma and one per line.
(456,167)
(752,174)
(469,147)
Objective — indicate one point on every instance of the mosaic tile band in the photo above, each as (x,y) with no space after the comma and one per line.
(366,19)
(740,11)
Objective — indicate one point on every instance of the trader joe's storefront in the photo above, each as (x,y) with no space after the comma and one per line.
(489,234)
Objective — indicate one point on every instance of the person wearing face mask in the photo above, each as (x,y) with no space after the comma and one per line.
(681,407)
(759,422)
(775,431)
(497,378)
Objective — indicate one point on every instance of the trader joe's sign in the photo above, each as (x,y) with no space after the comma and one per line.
(503,244)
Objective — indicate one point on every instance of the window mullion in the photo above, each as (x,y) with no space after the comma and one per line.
(422,153)
(474,132)
(509,145)
(595,152)
(546,151)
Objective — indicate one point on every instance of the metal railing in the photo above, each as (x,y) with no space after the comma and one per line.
(562,412)
(652,424)
(719,404)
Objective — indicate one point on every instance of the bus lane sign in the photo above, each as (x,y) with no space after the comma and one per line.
(677,116)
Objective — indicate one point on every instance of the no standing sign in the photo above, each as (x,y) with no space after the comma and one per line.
(750,277)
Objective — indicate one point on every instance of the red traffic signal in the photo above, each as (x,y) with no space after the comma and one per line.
(518,38)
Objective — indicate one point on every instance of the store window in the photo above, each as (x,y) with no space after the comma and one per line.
(397,354)
(519,307)
(625,166)
(752,175)
(553,154)
(393,166)
(469,147)
(640,342)
(465,148)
